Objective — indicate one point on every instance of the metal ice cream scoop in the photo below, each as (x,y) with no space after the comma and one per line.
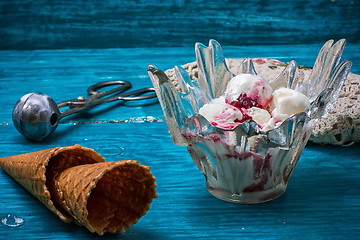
(36,115)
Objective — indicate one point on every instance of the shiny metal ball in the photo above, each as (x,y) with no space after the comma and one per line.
(36,116)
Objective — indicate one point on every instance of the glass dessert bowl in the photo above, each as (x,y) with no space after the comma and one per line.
(245,162)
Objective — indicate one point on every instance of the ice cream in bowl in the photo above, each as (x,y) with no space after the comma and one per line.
(244,133)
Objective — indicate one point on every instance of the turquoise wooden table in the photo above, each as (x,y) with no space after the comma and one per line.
(323,196)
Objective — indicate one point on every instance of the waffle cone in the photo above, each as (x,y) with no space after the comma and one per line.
(78,185)
(35,171)
(106,197)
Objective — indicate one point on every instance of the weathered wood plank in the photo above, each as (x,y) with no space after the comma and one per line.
(46,24)
(322,199)
(66,74)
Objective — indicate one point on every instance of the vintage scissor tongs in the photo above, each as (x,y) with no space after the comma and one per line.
(36,115)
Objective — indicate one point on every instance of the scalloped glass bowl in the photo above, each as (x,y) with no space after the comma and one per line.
(245,164)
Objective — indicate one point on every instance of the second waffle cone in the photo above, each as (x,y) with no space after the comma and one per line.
(108,196)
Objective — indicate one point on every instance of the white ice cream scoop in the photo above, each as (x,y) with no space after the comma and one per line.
(288,101)
(249,90)
(221,114)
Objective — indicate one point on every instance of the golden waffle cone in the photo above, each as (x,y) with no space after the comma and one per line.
(107,197)
(33,170)
(76,183)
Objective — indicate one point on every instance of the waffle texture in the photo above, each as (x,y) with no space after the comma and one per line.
(78,185)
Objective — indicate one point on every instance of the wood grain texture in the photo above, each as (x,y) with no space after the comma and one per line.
(46,24)
(322,199)
(66,74)
(323,196)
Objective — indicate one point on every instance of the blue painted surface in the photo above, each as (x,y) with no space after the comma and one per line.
(88,43)
(322,200)
(46,70)
(47,24)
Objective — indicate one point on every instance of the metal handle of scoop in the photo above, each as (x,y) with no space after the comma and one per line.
(36,115)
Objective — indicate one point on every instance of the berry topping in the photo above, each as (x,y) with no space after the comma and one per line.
(243,101)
